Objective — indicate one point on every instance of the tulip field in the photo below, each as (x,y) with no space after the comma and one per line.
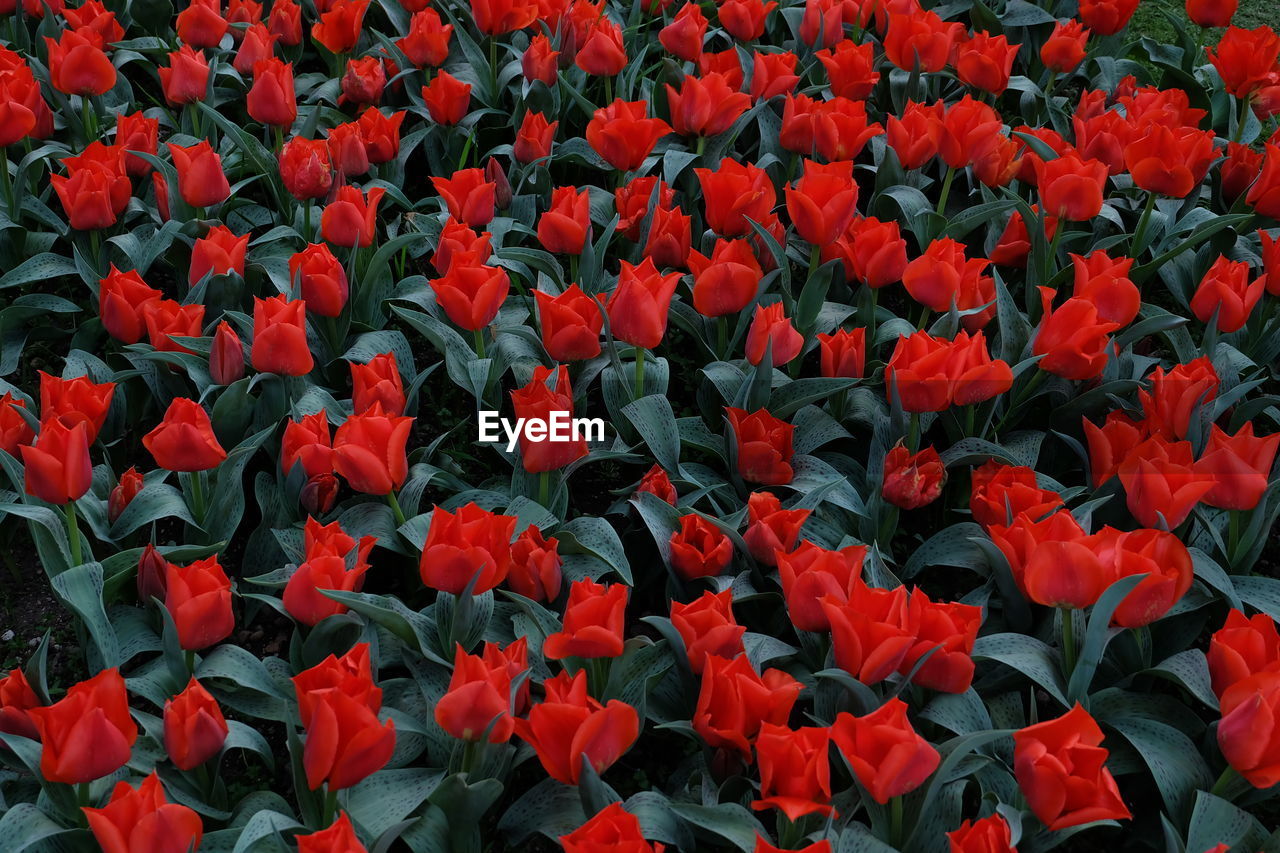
(469,426)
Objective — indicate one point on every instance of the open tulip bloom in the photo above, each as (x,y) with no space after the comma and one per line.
(811,425)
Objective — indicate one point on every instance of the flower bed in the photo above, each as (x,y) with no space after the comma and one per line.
(925,364)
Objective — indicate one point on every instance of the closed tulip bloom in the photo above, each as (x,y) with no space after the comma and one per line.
(774,74)
(989,835)
(570,726)
(870,632)
(1161,481)
(58,469)
(498,17)
(17,699)
(1105,282)
(137,132)
(280,337)
(535,566)
(447,98)
(886,755)
(121,298)
(914,136)
(770,528)
(1060,765)
(1107,17)
(363,81)
(198,597)
(1071,187)
(184,439)
(87,734)
(566,226)
(877,253)
(727,282)
(347,149)
(699,549)
(307,441)
(351,675)
(469,195)
(142,819)
(850,69)
(966,130)
(943,278)
(1000,492)
(378,381)
(1242,647)
(471,294)
(822,24)
(194,728)
(471,543)
(1025,535)
(1270,251)
(1176,396)
(593,622)
(96,189)
(339,27)
(745,19)
(1240,466)
(975,375)
(201,179)
(764,446)
(920,39)
(657,483)
(601,51)
(226,356)
(634,199)
(946,632)
(707,628)
(639,304)
(477,704)
(1072,338)
(1211,13)
(683,37)
(186,80)
(125,490)
(912,480)
(771,331)
(218,252)
(534,138)
(1014,245)
(345,742)
(369,451)
(1170,162)
(984,61)
(272,99)
(734,702)
(167,320)
(1065,573)
(795,771)
(381,134)
(538,401)
(427,43)
(257,44)
(1247,735)
(1157,554)
(459,241)
(1105,136)
(78,65)
(1225,291)
(339,837)
(570,323)
(201,24)
(14,429)
(321,279)
(75,401)
(334,561)
(623,134)
(1110,444)
(351,220)
(823,202)
(810,574)
(612,828)
(539,62)
(705,106)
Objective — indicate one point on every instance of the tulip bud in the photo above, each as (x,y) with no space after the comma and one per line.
(319,493)
(124,492)
(151,574)
(226,357)
(495,174)
(911,481)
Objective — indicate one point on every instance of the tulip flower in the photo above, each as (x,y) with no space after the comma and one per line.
(989,835)
(75,401)
(535,566)
(683,37)
(333,561)
(478,702)
(226,355)
(448,99)
(78,65)
(17,700)
(570,324)
(705,106)
(774,74)
(351,220)
(920,40)
(469,195)
(1243,646)
(1239,465)
(87,734)
(1060,765)
(15,432)
(339,27)
(727,282)
(471,544)
(194,728)
(699,549)
(427,43)
(1225,291)
(1107,17)
(773,332)
(734,702)
(201,24)
(811,573)
(912,480)
(795,770)
(656,482)
(58,469)
(280,337)
(198,597)
(770,528)
(272,99)
(351,675)
(339,837)
(708,629)
(886,755)
(321,279)
(1162,483)
(219,252)
(623,134)
(471,294)
(369,451)
(345,742)
(639,304)
(612,828)
(871,634)
(593,623)
(764,448)
(142,819)
(570,726)
(125,490)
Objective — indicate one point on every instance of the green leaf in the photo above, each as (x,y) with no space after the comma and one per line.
(42,268)
(81,588)
(588,534)
(389,796)
(1027,655)
(1173,759)
(1098,635)
(729,821)
(654,419)
(156,501)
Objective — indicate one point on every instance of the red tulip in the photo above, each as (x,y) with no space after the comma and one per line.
(351,675)
(870,632)
(1071,187)
(427,43)
(369,451)
(307,441)
(850,69)
(15,432)
(810,574)
(1104,281)
(601,51)
(623,134)
(570,324)
(378,381)
(1107,17)
(705,106)
(58,469)
(734,702)
(943,278)
(478,703)
(126,489)
(351,220)
(471,293)
(272,99)
(257,43)
(683,37)
(535,566)
(87,734)
(989,835)
(823,202)
(498,17)
(656,482)
(17,700)
(447,99)
(1073,340)
(1240,466)
(345,741)
(1247,735)
(1225,291)
(469,195)
(534,138)
(774,74)
(914,136)
(1245,59)
(763,446)
(194,728)
(470,544)
(339,27)
(912,480)
(727,282)
(198,597)
(612,828)
(280,337)
(566,226)
(1242,647)
(201,24)
(773,332)
(886,755)
(137,132)
(708,629)
(340,836)
(1000,492)
(186,80)
(539,61)
(142,819)
(78,65)
(218,252)
(1160,556)
(1060,766)
(593,623)
(333,561)
(770,528)
(639,304)
(795,770)
(920,39)
(699,549)
(75,401)
(1161,482)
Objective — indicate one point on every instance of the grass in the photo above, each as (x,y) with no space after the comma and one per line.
(1150,19)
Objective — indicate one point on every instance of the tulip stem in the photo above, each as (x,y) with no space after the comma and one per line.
(722,337)
(1233,535)
(544,488)
(479,338)
(1241,120)
(190,655)
(1068,641)
(395,508)
(1219,789)
(946,189)
(83,794)
(328,813)
(895,822)
(197,496)
(6,184)
(1140,232)
(639,384)
(73,532)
